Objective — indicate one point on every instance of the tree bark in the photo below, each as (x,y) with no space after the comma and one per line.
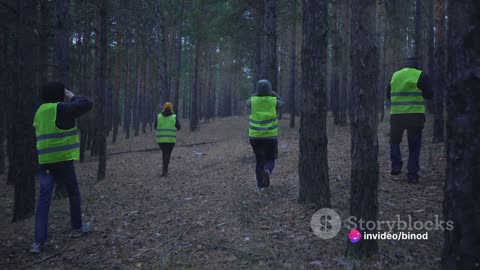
(21,108)
(418,31)
(116,92)
(62,41)
(259,43)
(337,63)
(84,121)
(5,84)
(462,187)
(271,64)
(439,75)
(313,165)
(179,58)
(62,63)
(163,76)
(43,48)
(380,28)
(346,79)
(293,64)
(101,69)
(363,122)
(194,111)
(127,107)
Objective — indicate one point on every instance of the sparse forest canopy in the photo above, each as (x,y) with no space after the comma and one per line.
(349,77)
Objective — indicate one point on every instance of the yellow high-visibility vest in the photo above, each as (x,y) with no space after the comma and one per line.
(54,144)
(263,119)
(405,95)
(166,130)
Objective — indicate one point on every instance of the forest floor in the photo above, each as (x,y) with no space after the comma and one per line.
(207,214)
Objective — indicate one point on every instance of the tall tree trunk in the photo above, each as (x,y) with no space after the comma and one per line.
(462,186)
(282,52)
(21,108)
(127,110)
(380,28)
(194,111)
(313,162)
(346,81)
(43,48)
(418,31)
(163,76)
(293,64)
(101,69)
(271,64)
(431,38)
(137,98)
(4,88)
(116,91)
(179,57)
(335,97)
(363,122)
(259,43)
(62,41)
(62,66)
(439,75)
(84,121)
(143,105)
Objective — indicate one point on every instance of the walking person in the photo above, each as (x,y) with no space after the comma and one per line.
(263,131)
(167,125)
(408,89)
(58,145)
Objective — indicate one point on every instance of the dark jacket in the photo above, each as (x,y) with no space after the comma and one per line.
(67,112)
(168,113)
(412,119)
(423,84)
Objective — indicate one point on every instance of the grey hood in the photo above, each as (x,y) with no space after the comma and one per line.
(264,88)
(411,62)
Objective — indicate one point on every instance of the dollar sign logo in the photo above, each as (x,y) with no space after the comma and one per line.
(326,223)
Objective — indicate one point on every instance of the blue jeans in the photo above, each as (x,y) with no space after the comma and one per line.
(265,152)
(414,135)
(49,173)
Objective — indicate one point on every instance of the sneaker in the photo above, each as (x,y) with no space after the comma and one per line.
(412,179)
(266,178)
(395,172)
(261,190)
(37,248)
(86,228)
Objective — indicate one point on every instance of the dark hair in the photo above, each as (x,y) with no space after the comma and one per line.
(53,92)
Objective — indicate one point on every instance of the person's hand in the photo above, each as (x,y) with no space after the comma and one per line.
(68,95)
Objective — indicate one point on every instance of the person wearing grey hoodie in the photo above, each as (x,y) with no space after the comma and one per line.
(263,130)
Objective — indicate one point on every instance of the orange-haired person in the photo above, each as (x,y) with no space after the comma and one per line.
(166,125)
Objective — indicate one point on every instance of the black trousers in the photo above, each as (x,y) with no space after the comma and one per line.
(413,125)
(265,153)
(167,149)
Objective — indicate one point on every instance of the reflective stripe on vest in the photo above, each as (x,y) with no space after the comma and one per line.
(263,119)
(405,95)
(166,130)
(54,144)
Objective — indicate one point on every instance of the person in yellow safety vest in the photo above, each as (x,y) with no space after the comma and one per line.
(166,125)
(58,145)
(407,91)
(263,130)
